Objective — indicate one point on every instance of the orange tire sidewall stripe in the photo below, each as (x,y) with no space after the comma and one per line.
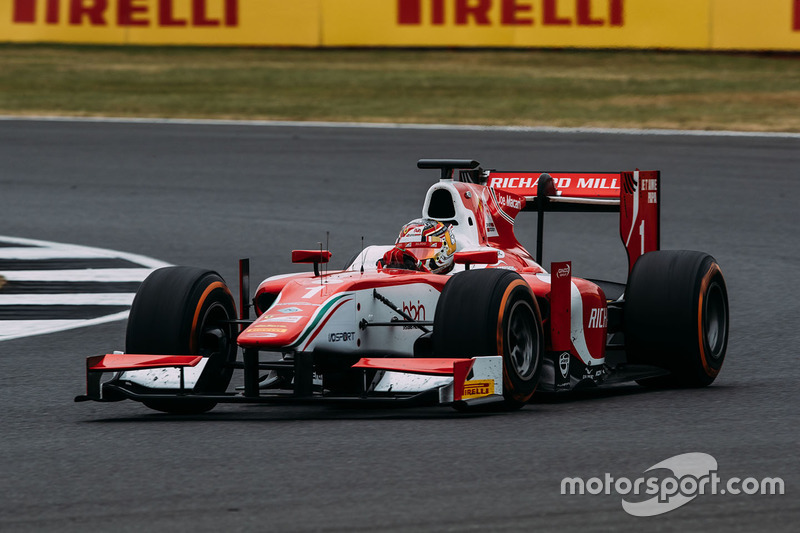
(711,372)
(501,333)
(192,336)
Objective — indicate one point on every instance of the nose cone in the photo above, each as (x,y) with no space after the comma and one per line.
(304,309)
(278,327)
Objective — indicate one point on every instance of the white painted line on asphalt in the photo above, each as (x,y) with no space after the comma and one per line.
(141,260)
(16,329)
(410,126)
(106,275)
(41,254)
(109,298)
(33,250)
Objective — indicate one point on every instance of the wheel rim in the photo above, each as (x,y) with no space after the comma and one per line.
(211,326)
(523,339)
(716,320)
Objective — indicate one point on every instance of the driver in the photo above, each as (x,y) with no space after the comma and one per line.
(425,245)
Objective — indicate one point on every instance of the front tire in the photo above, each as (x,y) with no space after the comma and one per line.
(183,311)
(493,312)
(676,317)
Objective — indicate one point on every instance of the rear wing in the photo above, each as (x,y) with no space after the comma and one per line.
(635,195)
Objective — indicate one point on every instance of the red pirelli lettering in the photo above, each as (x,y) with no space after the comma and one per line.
(166,14)
(437,12)
(200,14)
(409,11)
(512,13)
(796,26)
(550,17)
(24,12)
(616,11)
(92,10)
(231,13)
(584,15)
(478,10)
(592,13)
(128,12)
(52,11)
(132,13)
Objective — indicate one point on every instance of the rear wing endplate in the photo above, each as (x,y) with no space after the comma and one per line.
(635,195)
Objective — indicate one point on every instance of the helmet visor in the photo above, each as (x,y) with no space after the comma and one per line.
(423,251)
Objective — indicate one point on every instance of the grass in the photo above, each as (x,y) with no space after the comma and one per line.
(510,87)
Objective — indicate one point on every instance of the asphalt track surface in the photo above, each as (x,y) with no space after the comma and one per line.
(207,195)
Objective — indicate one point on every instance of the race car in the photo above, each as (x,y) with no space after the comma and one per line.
(455,312)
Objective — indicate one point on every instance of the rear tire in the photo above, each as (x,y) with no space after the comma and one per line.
(676,317)
(493,312)
(181,311)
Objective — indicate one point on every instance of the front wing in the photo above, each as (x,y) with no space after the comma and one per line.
(406,381)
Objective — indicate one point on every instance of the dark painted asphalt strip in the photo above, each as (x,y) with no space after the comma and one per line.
(66,287)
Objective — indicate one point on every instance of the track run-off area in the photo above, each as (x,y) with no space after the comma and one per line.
(205,193)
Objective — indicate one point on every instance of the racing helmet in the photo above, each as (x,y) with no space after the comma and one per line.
(424,244)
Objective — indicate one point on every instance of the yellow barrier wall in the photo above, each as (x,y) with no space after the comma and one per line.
(681,24)
(756,24)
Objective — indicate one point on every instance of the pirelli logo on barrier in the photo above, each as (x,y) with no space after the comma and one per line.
(198,13)
(203,22)
(679,24)
(511,12)
(541,12)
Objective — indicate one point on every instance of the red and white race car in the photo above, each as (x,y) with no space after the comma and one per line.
(455,312)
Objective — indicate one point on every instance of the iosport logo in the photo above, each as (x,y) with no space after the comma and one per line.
(692,475)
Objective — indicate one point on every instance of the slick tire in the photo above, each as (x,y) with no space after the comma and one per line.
(493,312)
(181,311)
(676,317)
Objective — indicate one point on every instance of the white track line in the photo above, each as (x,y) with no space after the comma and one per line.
(397,126)
(41,254)
(43,250)
(98,252)
(108,298)
(89,274)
